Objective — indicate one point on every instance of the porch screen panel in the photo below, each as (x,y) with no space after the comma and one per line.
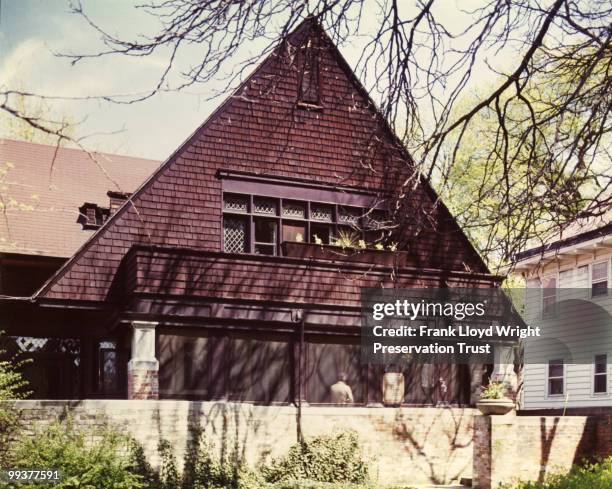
(260,370)
(53,366)
(325,363)
(183,366)
(429,384)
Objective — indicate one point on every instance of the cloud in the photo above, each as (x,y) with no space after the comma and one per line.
(20,62)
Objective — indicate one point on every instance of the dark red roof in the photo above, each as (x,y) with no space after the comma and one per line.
(260,128)
(43,200)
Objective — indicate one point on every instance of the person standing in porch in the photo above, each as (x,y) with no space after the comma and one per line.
(341,392)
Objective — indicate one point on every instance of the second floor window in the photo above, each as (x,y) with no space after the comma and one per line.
(599,279)
(258,224)
(549,295)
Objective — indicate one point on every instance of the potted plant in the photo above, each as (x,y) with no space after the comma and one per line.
(348,247)
(493,400)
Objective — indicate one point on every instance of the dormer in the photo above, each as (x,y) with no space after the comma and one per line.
(92,216)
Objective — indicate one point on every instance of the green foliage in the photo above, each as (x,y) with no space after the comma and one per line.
(495,390)
(12,387)
(347,239)
(327,458)
(305,484)
(204,470)
(589,476)
(88,460)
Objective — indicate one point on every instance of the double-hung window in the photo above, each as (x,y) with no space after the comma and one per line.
(600,374)
(556,376)
(599,278)
(549,295)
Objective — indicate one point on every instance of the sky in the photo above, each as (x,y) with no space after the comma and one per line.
(33,31)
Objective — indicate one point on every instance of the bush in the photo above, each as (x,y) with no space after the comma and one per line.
(87,460)
(590,476)
(304,484)
(327,458)
(204,470)
(12,387)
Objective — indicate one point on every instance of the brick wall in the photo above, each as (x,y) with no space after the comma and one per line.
(604,435)
(510,448)
(403,445)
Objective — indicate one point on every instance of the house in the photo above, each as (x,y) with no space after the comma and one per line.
(215,279)
(568,293)
(55,200)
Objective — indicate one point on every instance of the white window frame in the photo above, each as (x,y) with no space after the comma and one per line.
(607,262)
(594,374)
(563,378)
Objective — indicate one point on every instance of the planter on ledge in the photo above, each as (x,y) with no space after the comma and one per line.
(314,251)
(393,388)
(495,406)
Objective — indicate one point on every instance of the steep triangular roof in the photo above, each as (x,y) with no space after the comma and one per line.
(260,129)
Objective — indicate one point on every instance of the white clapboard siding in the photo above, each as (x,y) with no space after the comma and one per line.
(577,334)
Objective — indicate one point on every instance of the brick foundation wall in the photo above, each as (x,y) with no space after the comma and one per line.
(402,445)
(510,448)
(604,436)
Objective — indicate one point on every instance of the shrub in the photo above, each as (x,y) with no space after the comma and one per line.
(327,458)
(305,484)
(204,470)
(12,387)
(589,476)
(87,460)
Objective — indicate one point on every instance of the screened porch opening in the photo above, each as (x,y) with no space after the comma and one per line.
(67,368)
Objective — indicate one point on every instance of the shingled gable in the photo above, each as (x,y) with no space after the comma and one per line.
(262,129)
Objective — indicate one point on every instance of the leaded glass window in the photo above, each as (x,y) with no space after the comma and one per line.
(319,212)
(259,224)
(235,234)
(294,210)
(264,206)
(349,215)
(235,203)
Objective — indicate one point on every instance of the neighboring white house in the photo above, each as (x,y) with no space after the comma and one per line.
(568,294)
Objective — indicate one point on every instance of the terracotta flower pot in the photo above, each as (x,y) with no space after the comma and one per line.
(494,407)
(393,388)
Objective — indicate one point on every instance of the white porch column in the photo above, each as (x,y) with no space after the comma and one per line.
(143,367)
(503,369)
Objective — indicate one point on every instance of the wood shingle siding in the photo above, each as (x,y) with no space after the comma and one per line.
(261,129)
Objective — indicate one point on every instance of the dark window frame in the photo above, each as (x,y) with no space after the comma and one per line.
(335,224)
(555,378)
(596,290)
(603,374)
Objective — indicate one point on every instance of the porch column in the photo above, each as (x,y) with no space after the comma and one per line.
(143,367)
(503,369)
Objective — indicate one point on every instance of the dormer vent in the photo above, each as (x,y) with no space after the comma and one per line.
(309,93)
